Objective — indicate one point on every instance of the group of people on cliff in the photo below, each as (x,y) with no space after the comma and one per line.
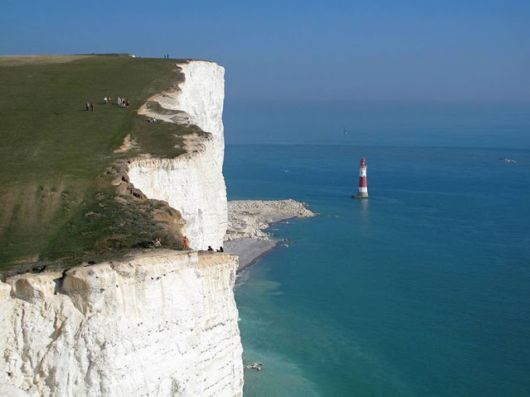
(186,246)
(121,102)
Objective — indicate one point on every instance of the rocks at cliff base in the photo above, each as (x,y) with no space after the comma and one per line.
(250,218)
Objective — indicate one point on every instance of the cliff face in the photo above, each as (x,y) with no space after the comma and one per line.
(161,323)
(192,183)
(158,323)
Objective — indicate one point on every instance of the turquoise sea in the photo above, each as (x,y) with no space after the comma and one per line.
(422,290)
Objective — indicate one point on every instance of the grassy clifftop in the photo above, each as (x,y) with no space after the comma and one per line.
(59,193)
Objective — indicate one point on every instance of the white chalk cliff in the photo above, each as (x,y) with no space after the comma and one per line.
(162,323)
(192,183)
(157,323)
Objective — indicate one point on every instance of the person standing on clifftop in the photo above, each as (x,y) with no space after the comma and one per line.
(185,243)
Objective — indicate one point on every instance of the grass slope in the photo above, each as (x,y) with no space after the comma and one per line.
(58,161)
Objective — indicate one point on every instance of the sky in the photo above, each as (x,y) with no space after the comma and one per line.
(373,50)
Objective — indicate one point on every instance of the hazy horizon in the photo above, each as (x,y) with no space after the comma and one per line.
(365,123)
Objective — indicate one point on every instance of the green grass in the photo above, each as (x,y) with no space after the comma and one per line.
(58,161)
(162,139)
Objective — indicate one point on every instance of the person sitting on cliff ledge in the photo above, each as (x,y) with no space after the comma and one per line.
(185,243)
(210,249)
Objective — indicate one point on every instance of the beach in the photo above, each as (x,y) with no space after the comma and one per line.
(248,221)
(249,250)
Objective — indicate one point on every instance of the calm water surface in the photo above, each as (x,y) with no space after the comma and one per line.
(423,290)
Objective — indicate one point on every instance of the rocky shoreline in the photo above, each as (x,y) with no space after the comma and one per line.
(248,220)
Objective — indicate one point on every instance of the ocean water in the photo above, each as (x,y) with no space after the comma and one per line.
(422,290)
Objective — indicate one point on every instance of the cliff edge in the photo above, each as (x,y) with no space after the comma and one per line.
(192,183)
(155,322)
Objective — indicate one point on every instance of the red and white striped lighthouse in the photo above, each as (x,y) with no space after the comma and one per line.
(363,181)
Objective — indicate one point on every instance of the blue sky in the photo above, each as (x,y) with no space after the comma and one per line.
(452,50)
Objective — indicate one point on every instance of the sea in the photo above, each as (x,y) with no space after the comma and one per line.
(421,290)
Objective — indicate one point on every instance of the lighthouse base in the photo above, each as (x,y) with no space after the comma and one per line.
(360,196)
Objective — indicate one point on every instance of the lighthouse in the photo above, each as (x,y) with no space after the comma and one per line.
(363,182)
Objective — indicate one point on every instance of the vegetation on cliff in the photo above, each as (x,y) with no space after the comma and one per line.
(64,193)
